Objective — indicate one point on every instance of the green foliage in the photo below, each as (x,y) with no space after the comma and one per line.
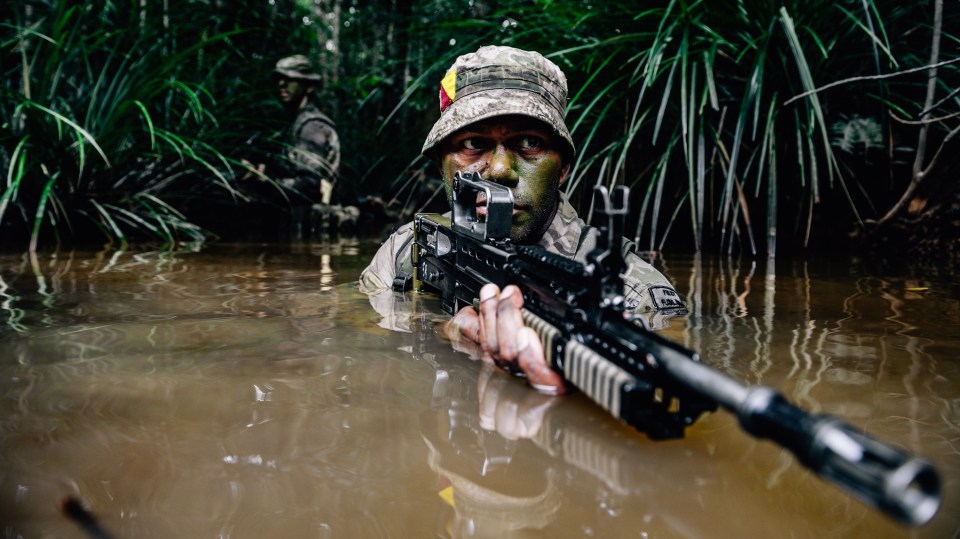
(133,119)
(710,110)
(97,124)
(116,117)
(687,103)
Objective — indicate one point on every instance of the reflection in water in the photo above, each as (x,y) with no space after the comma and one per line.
(526,462)
(507,468)
(13,314)
(254,392)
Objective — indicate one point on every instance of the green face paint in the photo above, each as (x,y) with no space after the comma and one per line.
(516,151)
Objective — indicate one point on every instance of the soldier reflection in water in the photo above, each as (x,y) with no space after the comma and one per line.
(511,462)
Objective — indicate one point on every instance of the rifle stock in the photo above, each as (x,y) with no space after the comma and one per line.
(641,378)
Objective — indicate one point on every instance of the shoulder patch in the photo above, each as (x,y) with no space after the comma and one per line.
(665,297)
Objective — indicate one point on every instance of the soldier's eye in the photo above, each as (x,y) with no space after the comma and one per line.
(530,143)
(474,144)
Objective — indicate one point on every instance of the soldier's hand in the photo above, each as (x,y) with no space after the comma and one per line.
(504,339)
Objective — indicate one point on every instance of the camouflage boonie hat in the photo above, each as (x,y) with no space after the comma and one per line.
(495,81)
(296,67)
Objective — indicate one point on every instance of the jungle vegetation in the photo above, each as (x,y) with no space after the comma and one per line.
(741,126)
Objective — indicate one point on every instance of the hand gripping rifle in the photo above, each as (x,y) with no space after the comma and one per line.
(640,377)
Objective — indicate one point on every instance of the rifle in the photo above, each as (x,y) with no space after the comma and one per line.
(643,379)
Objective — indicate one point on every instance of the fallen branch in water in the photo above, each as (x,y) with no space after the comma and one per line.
(75,511)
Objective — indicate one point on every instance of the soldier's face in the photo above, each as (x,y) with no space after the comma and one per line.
(516,151)
(292,90)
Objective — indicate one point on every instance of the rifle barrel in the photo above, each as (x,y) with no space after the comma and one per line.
(903,486)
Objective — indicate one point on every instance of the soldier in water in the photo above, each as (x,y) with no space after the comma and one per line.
(502,116)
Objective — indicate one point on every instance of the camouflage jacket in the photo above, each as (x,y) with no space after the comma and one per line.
(313,149)
(647,290)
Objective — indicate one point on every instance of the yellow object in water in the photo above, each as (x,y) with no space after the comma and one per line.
(447,495)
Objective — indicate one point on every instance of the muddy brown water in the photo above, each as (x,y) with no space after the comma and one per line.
(253,391)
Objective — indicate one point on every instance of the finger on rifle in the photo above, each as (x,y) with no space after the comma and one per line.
(534,364)
(488,319)
(509,322)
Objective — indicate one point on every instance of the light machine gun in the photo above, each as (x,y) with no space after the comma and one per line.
(640,377)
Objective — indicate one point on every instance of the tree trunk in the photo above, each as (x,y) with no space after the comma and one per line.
(918,171)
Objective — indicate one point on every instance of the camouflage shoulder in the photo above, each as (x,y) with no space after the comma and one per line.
(647,290)
(392,257)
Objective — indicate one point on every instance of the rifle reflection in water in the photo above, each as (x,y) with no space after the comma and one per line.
(511,461)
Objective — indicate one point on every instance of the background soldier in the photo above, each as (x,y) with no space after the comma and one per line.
(311,157)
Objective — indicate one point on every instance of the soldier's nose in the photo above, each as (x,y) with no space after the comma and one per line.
(501,169)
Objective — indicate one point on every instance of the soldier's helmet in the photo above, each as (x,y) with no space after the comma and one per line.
(297,66)
(496,81)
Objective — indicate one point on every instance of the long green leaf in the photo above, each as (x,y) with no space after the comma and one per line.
(149,120)
(108,219)
(41,212)
(80,131)
(15,175)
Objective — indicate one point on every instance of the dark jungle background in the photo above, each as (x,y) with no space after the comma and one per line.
(743,127)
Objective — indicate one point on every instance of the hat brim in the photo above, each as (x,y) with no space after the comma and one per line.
(297,74)
(492,103)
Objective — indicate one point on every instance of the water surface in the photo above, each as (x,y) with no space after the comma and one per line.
(253,391)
